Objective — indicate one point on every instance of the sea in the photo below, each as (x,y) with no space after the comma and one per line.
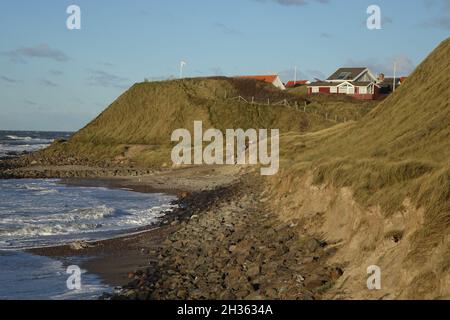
(15,143)
(45,212)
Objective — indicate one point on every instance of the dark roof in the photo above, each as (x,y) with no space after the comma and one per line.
(389,82)
(362,83)
(323,84)
(346,73)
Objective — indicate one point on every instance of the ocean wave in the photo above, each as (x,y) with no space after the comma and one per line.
(45,230)
(12,137)
(42,212)
(17,149)
(34,187)
(28,139)
(99,212)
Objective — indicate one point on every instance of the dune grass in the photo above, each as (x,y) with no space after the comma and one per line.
(341,106)
(400,149)
(148,113)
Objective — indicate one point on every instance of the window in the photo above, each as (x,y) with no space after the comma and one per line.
(344,75)
(344,88)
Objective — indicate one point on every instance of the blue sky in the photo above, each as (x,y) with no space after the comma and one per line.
(52,78)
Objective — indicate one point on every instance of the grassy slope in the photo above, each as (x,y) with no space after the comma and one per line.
(340,106)
(147,114)
(400,149)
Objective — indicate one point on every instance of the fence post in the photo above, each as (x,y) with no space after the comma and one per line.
(304,109)
(268,101)
(253,100)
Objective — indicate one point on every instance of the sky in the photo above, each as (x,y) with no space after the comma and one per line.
(56,79)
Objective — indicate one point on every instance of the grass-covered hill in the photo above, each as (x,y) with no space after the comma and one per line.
(341,106)
(400,150)
(137,126)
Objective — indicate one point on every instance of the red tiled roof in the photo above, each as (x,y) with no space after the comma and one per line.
(268,78)
(296,83)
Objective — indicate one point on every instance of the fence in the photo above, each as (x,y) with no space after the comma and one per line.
(306,108)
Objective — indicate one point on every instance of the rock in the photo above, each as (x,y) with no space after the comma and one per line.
(80,245)
(336,273)
(312,245)
(184,195)
(299,278)
(130,294)
(241,294)
(314,282)
(253,270)
(271,293)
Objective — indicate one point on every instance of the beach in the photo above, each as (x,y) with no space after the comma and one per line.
(221,242)
(113,259)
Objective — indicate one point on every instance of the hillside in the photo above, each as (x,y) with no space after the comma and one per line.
(384,186)
(341,106)
(136,128)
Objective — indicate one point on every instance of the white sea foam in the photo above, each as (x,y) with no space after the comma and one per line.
(44,212)
(7,149)
(13,137)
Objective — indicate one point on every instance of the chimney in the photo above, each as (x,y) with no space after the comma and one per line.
(381,77)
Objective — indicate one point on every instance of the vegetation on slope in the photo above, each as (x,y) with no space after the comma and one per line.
(139,124)
(342,107)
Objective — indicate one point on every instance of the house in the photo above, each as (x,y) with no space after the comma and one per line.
(359,83)
(298,83)
(272,79)
(387,84)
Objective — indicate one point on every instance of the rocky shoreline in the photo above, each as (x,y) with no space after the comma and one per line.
(232,248)
(222,243)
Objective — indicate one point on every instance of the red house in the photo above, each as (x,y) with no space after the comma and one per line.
(272,79)
(294,84)
(359,83)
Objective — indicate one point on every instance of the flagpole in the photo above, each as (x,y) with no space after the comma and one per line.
(295,76)
(395,74)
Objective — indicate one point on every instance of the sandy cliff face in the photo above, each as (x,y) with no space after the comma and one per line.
(362,237)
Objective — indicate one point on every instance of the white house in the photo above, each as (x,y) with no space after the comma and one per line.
(272,79)
(357,82)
